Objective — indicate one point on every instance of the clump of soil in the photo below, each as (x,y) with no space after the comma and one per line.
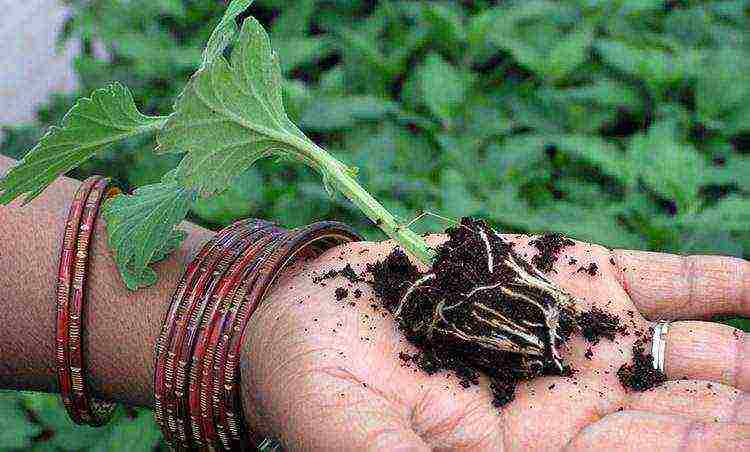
(481,308)
(341,293)
(591,269)
(596,324)
(347,272)
(640,375)
(549,246)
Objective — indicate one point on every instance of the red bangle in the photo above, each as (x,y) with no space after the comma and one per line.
(312,239)
(71,285)
(234,292)
(185,312)
(174,315)
(177,318)
(196,355)
(202,301)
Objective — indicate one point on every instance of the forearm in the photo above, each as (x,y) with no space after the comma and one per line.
(120,325)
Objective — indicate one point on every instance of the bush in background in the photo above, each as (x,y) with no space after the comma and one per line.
(620,122)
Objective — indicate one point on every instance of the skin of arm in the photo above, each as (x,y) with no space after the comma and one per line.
(120,325)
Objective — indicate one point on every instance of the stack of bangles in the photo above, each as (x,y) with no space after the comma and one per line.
(197,353)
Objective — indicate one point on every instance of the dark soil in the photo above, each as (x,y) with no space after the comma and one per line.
(640,375)
(597,324)
(468,316)
(591,269)
(341,293)
(549,246)
(347,272)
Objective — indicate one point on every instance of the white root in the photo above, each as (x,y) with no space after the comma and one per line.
(411,289)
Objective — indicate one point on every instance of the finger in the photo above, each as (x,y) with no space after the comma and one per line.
(670,287)
(640,431)
(697,400)
(708,351)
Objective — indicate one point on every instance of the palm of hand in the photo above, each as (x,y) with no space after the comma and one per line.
(327,376)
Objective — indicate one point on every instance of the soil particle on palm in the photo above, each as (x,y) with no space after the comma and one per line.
(549,246)
(640,375)
(459,332)
(347,272)
(341,293)
(596,324)
(357,293)
(591,269)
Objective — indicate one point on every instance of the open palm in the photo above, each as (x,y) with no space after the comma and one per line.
(325,374)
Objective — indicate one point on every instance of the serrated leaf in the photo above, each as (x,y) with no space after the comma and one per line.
(225,31)
(141,228)
(92,125)
(238,105)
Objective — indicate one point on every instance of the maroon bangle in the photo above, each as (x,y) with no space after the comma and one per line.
(235,291)
(198,346)
(203,302)
(174,316)
(314,238)
(181,311)
(71,286)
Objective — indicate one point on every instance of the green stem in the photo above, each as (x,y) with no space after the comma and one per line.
(409,240)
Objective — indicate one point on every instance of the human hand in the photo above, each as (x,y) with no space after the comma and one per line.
(325,374)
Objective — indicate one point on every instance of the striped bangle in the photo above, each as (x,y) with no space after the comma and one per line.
(71,296)
(196,377)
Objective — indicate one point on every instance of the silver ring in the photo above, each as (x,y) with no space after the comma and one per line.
(659,344)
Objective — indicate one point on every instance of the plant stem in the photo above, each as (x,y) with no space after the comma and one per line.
(409,240)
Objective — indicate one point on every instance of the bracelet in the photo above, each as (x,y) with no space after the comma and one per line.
(309,241)
(181,311)
(70,294)
(196,377)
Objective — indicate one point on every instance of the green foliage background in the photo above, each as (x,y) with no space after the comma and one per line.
(620,122)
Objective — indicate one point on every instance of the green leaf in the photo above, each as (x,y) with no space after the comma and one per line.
(599,153)
(730,214)
(225,31)
(569,53)
(673,170)
(17,431)
(141,228)
(443,87)
(329,114)
(131,435)
(92,125)
(655,66)
(229,116)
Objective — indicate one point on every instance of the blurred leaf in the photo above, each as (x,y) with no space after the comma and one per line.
(340,113)
(599,153)
(16,431)
(673,170)
(569,53)
(730,214)
(131,435)
(443,86)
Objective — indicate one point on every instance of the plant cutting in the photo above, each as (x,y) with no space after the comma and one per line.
(478,306)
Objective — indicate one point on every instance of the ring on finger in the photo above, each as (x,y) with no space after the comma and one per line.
(659,344)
